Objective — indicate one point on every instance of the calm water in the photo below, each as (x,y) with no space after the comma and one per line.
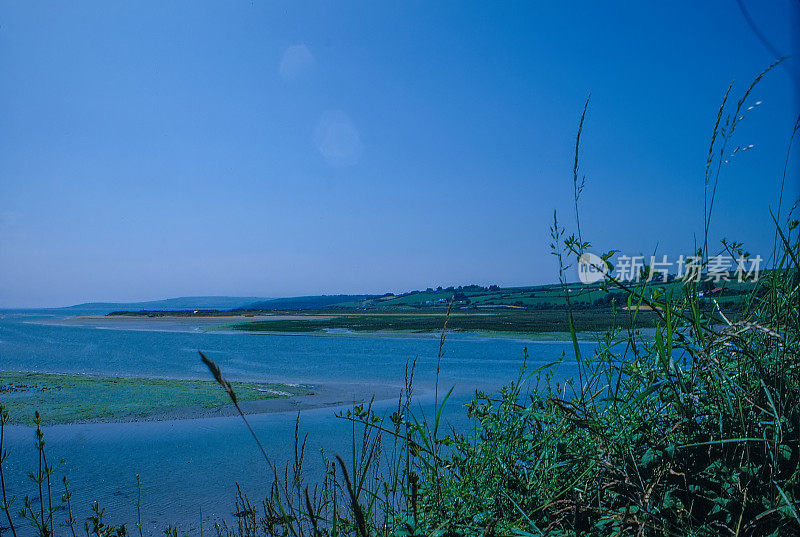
(189,465)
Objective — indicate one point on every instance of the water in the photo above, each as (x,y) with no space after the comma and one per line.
(191,465)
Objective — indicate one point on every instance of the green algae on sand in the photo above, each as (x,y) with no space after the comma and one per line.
(71,398)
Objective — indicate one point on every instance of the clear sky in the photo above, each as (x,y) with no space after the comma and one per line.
(157,149)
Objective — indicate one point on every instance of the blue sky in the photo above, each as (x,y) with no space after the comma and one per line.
(153,149)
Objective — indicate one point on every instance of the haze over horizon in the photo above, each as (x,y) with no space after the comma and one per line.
(150,151)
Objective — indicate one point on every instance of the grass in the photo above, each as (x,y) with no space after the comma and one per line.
(75,398)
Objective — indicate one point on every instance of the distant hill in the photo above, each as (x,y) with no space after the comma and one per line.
(171,304)
(310,302)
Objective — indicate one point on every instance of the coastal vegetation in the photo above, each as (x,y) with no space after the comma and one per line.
(63,398)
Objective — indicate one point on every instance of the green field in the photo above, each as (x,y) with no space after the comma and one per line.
(76,398)
(551,296)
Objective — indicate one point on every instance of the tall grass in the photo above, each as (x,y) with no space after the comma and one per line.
(691,430)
